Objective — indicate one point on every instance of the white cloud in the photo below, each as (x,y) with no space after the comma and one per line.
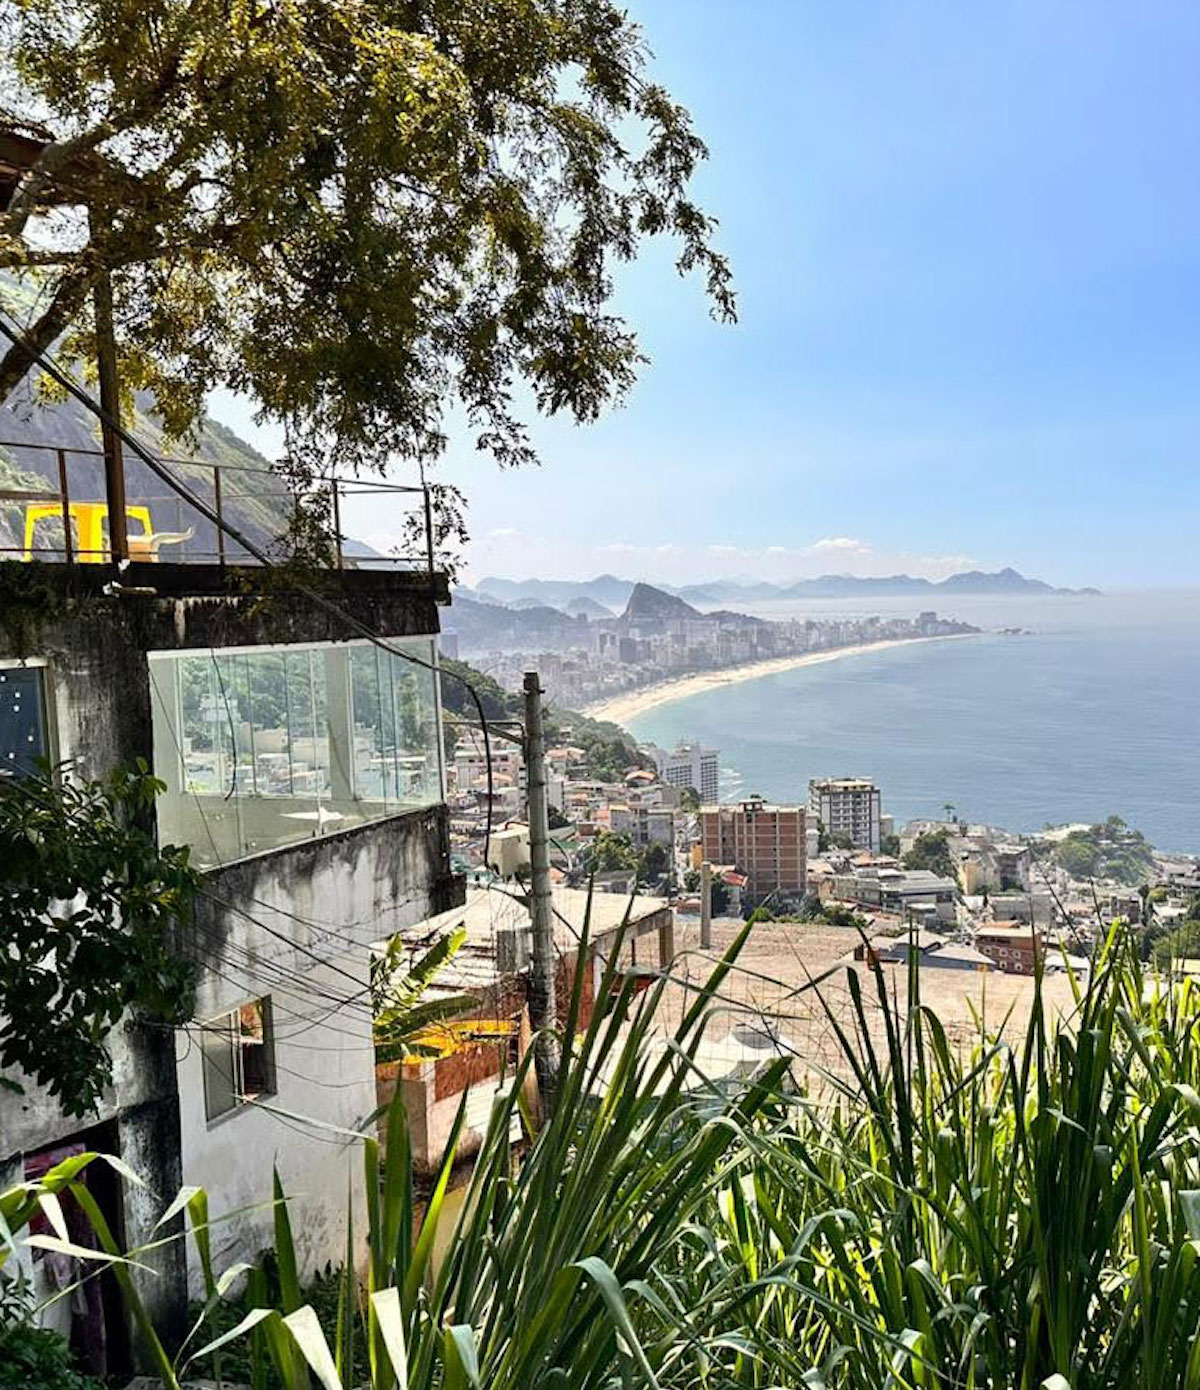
(840,543)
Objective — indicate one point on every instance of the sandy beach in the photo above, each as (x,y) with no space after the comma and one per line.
(630,703)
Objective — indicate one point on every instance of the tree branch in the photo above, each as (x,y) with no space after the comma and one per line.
(68,299)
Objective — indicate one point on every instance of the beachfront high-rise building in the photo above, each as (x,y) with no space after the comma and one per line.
(689,765)
(765,842)
(847,806)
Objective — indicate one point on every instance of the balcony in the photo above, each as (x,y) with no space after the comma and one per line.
(53,508)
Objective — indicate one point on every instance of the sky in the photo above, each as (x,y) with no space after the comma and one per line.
(966,241)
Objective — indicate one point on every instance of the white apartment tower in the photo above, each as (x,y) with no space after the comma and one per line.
(847,806)
(689,765)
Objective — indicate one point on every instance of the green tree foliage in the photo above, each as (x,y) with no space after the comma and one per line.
(1111,850)
(609,853)
(932,851)
(497,702)
(653,862)
(1181,943)
(890,844)
(689,799)
(398,986)
(88,908)
(358,213)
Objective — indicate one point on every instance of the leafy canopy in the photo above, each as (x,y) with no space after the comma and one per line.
(88,905)
(931,850)
(356,211)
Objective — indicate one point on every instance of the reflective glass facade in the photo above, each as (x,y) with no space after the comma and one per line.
(266,746)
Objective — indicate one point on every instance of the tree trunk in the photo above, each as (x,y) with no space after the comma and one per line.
(69,297)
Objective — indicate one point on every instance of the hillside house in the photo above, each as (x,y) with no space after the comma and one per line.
(303,767)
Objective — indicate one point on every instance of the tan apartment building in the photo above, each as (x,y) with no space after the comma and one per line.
(765,842)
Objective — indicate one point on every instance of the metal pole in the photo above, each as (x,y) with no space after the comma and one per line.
(337,521)
(220,528)
(68,539)
(543,1004)
(110,399)
(706,906)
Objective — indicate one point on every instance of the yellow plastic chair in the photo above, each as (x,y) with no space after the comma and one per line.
(89,522)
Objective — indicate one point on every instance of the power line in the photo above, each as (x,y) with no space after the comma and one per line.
(19,338)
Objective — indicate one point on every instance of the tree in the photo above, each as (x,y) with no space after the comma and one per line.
(822,838)
(611,853)
(932,851)
(689,799)
(360,214)
(890,844)
(653,862)
(398,986)
(88,907)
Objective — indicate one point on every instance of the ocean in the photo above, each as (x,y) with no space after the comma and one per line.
(1095,712)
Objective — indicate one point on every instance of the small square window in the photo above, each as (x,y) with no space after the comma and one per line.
(238,1054)
(23,736)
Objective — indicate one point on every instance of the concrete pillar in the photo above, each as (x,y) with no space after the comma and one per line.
(666,940)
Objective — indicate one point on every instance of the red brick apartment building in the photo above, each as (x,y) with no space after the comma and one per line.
(1015,947)
(765,842)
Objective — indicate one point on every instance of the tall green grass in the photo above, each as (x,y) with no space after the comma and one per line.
(1014,1215)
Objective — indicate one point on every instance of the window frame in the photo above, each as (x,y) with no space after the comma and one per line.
(45,700)
(235,1043)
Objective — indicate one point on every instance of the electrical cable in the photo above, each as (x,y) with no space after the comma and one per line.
(19,339)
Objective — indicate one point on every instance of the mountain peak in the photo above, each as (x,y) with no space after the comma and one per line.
(646,603)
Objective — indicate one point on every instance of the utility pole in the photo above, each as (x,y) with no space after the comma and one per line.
(110,400)
(543,1003)
(706,906)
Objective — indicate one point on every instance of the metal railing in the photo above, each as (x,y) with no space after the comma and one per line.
(53,508)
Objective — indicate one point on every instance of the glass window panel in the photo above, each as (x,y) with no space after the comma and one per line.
(238,1057)
(266,747)
(23,737)
(217,1059)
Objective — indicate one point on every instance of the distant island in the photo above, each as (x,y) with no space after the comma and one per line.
(610,593)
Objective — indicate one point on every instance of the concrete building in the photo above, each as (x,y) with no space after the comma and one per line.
(1015,947)
(847,806)
(303,767)
(916,892)
(478,1053)
(690,765)
(644,825)
(765,842)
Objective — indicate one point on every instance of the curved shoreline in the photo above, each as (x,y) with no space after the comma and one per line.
(619,709)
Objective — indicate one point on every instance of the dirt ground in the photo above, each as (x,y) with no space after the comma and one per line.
(791,977)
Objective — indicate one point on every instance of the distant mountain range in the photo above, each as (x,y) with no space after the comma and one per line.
(613,593)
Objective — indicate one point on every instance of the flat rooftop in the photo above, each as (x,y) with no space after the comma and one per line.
(488,910)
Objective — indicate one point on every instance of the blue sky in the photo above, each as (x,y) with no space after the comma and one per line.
(966,241)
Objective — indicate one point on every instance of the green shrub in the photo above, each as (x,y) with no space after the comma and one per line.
(35,1358)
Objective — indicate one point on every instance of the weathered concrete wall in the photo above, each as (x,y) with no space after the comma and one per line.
(295,925)
(95,645)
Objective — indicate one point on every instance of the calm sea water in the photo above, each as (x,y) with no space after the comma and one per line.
(1096,712)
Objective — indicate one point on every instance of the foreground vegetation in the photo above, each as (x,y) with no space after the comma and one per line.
(941,1216)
